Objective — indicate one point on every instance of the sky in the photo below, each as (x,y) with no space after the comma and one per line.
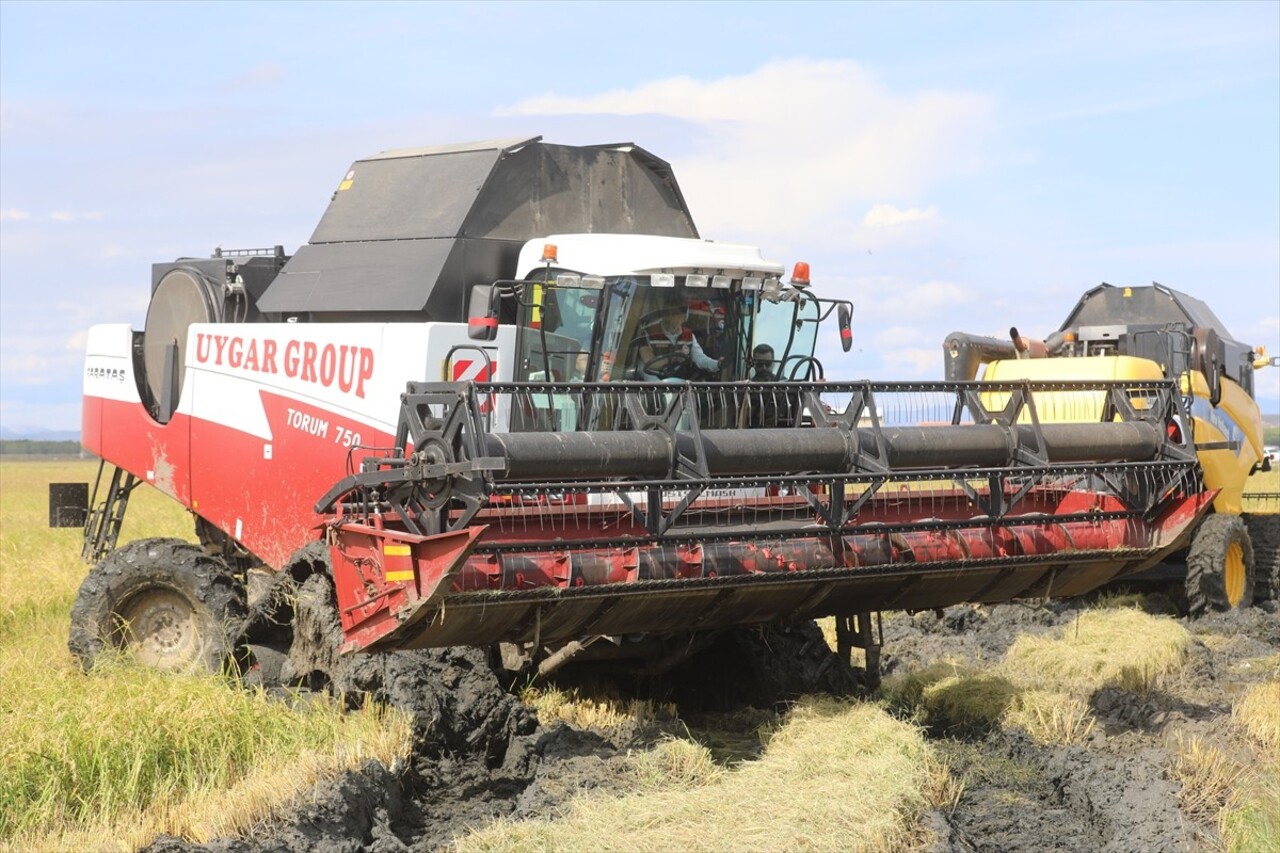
(944,166)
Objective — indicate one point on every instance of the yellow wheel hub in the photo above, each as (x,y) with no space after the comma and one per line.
(1233,574)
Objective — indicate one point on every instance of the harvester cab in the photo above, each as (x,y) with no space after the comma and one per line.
(1158,333)
(506,396)
(615,308)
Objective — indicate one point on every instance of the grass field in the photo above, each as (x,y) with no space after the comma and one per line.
(110,759)
(1263,482)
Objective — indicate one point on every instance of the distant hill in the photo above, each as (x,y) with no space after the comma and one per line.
(38,434)
(30,447)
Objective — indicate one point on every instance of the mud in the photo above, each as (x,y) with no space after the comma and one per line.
(1113,792)
(480,754)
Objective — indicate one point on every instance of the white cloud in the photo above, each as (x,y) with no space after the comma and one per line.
(888,300)
(797,147)
(12,214)
(883,215)
(27,359)
(71,216)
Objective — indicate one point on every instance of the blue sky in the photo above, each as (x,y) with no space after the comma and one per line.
(944,166)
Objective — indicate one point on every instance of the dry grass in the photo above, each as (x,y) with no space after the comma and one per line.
(835,776)
(675,763)
(1121,648)
(1258,714)
(1207,776)
(905,692)
(109,760)
(608,714)
(972,703)
(1043,684)
(1051,717)
(954,699)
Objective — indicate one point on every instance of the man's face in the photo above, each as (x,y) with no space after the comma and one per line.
(673,318)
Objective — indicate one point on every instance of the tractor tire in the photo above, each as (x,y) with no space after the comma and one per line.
(1220,570)
(1264,534)
(167,602)
(313,659)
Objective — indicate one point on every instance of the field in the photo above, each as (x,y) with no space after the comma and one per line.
(111,759)
(1109,724)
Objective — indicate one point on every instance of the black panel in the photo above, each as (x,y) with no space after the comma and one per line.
(68,504)
(406,197)
(410,231)
(1107,304)
(378,276)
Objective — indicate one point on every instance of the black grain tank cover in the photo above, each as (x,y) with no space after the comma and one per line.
(1164,325)
(1108,305)
(407,232)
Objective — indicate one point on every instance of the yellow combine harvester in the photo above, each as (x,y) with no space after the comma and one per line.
(1129,334)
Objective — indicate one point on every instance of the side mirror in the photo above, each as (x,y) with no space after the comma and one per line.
(845,313)
(482,315)
(482,328)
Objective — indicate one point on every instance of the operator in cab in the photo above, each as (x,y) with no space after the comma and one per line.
(762,364)
(669,350)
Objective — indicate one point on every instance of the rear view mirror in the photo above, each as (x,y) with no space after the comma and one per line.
(482,328)
(845,313)
(482,316)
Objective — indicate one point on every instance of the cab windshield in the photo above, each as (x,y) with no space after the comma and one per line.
(632,330)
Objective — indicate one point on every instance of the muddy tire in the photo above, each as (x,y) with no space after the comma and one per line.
(1220,570)
(166,601)
(1264,534)
(313,660)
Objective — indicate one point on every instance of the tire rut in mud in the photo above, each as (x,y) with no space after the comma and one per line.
(1024,796)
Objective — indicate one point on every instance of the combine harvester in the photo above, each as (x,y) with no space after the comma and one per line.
(1157,333)
(506,397)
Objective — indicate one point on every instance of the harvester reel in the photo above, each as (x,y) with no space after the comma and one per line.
(165,601)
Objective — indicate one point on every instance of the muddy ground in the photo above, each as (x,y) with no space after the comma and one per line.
(479,753)
(1111,793)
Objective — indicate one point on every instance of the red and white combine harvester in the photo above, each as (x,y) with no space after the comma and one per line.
(507,397)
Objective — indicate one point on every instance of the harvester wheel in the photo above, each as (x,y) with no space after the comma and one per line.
(1220,566)
(167,602)
(314,661)
(1264,534)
